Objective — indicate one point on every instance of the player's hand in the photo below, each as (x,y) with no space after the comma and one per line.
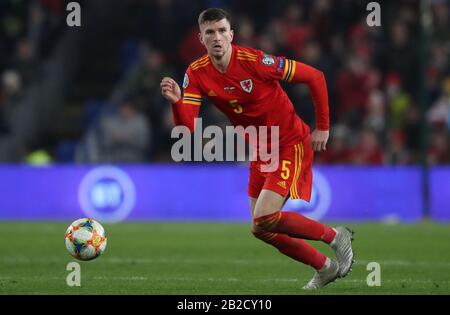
(170,90)
(319,139)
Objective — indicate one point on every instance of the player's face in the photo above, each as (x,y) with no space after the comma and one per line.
(216,36)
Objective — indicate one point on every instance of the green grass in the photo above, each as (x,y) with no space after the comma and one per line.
(211,258)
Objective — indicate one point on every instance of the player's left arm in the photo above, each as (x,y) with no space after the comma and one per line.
(315,79)
(283,69)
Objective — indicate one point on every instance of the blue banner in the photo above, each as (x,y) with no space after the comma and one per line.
(177,192)
(440,193)
(364,193)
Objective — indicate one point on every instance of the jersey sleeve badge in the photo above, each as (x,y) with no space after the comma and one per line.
(280,66)
(185,81)
(267,60)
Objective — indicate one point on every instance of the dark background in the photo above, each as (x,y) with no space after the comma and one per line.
(91,93)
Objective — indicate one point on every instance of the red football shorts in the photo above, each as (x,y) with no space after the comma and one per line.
(294,173)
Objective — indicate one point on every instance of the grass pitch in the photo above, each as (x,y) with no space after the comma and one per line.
(211,258)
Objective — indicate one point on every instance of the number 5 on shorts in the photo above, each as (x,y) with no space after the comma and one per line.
(285,171)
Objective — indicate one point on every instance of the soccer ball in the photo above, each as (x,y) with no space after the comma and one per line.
(85,239)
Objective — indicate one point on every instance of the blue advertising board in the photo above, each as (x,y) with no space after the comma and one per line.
(199,192)
(440,193)
(364,193)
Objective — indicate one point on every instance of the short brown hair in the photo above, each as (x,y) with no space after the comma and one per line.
(213,14)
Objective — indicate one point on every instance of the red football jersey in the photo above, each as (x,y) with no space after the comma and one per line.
(249,92)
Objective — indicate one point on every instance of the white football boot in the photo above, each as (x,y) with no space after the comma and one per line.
(328,273)
(342,246)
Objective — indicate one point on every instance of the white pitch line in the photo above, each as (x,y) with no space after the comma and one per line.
(178,261)
(406,263)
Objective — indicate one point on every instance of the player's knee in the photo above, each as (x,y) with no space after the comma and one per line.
(255,231)
(264,236)
(266,222)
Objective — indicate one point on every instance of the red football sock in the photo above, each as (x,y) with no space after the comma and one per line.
(295,225)
(293,247)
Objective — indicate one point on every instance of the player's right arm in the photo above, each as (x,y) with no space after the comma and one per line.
(184,109)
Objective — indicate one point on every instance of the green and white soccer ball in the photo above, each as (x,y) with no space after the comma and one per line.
(85,239)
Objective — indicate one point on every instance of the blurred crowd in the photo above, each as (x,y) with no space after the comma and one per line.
(29,31)
(384,109)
